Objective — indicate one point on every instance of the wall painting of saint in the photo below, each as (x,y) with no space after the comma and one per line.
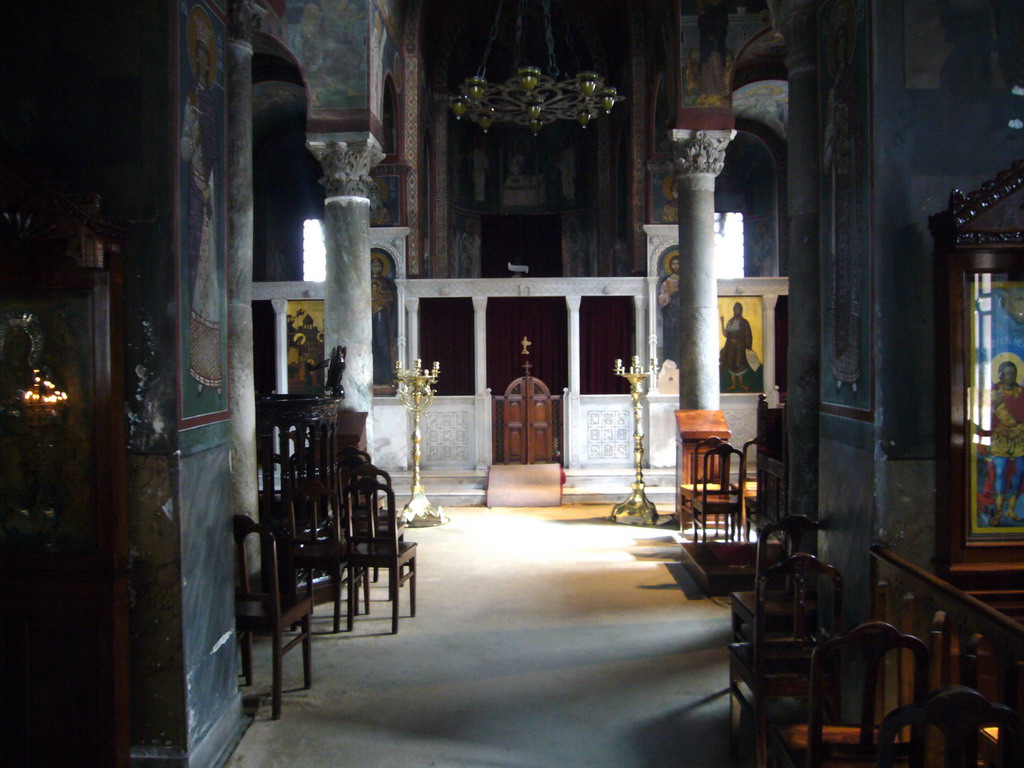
(740,344)
(384,308)
(305,347)
(995,407)
(202,218)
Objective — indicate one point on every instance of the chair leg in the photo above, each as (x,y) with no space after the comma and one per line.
(412,587)
(275,690)
(352,596)
(366,590)
(246,638)
(735,717)
(307,651)
(393,574)
(760,732)
(337,579)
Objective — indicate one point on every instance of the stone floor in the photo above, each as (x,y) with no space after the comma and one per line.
(544,638)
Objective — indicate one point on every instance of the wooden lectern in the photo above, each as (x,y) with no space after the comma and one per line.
(693,427)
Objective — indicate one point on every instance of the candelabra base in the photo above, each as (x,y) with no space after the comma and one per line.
(420,513)
(636,510)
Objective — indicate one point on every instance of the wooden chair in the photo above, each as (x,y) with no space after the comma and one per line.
(772,457)
(749,485)
(384,550)
(867,649)
(367,521)
(688,491)
(716,496)
(960,713)
(779,665)
(775,542)
(979,670)
(314,519)
(269,609)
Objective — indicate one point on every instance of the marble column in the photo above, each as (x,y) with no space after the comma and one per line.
(484,450)
(572,430)
(245,18)
(804,353)
(640,337)
(280,345)
(347,159)
(573,304)
(699,157)
(412,311)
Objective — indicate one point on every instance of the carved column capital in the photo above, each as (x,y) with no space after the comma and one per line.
(699,152)
(346,163)
(800,31)
(246,18)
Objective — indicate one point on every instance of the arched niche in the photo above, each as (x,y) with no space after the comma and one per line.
(749,185)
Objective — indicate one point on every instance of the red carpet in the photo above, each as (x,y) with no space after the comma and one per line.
(524,485)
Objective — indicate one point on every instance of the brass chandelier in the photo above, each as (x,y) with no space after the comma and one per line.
(530,97)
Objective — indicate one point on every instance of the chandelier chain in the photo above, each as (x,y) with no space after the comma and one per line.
(519,32)
(550,39)
(482,71)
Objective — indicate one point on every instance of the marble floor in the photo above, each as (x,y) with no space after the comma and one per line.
(544,638)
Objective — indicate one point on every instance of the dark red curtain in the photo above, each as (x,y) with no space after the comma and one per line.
(606,333)
(446,335)
(544,320)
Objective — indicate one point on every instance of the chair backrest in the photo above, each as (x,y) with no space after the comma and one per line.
(368,492)
(789,531)
(268,592)
(802,575)
(353,457)
(865,648)
(746,466)
(716,470)
(697,456)
(372,470)
(959,713)
(312,512)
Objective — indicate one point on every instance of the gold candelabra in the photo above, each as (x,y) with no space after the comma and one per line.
(637,509)
(416,391)
(36,515)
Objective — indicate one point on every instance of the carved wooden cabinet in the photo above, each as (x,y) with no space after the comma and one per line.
(979,267)
(63,539)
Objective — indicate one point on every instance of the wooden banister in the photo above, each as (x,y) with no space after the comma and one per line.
(910,597)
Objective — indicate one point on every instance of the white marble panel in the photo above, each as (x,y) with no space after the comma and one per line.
(392,449)
(661,430)
(449,434)
(605,430)
(741,416)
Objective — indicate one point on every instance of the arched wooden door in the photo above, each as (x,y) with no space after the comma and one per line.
(527,424)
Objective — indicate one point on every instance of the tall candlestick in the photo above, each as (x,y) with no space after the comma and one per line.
(637,509)
(416,391)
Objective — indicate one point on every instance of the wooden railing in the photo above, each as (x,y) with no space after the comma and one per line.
(971,643)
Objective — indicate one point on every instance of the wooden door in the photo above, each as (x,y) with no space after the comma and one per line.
(526,423)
